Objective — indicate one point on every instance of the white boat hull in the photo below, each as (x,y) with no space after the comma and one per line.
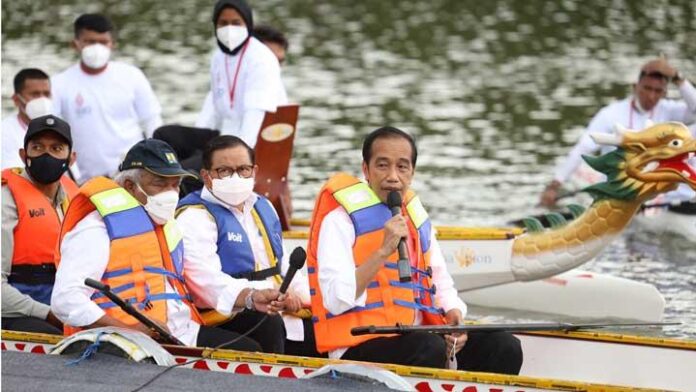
(479,266)
(623,362)
(576,293)
(660,221)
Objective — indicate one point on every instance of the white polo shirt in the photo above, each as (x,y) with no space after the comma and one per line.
(105,112)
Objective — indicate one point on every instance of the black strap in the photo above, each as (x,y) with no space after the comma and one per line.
(259,275)
(33,274)
(686,208)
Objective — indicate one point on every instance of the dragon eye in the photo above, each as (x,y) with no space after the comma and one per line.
(676,143)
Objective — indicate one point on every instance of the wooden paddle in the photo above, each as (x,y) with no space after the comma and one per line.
(273,152)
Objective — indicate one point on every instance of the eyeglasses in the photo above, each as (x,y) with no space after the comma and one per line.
(244,171)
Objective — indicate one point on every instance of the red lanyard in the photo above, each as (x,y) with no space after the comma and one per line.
(233,86)
(630,114)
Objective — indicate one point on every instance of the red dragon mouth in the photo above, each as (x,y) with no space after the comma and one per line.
(681,165)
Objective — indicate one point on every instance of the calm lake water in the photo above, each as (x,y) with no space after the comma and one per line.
(494,91)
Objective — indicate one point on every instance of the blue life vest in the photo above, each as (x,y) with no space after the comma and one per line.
(233,246)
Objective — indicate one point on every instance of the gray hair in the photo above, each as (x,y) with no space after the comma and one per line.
(130,174)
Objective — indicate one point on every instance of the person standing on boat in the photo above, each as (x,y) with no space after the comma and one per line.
(122,232)
(353,275)
(235,232)
(34,202)
(109,104)
(274,39)
(634,112)
(245,76)
(32,98)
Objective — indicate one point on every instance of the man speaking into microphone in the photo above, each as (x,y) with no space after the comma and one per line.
(358,275)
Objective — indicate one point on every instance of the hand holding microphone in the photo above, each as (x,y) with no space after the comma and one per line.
(403,265)
(289,302)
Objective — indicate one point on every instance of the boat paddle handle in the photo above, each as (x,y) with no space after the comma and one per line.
(128,308)
(525,327)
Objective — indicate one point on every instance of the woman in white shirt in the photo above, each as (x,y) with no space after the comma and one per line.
(245,76)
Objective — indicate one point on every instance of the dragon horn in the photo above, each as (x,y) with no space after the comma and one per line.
(610,139)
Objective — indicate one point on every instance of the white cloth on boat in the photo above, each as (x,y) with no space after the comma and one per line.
(13,131)
(632,117)
(258,89)
(85,254)
(108,113)
(200,255)
(14,303)
(336,269)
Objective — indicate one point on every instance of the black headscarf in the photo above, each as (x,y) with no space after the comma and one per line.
(244,10)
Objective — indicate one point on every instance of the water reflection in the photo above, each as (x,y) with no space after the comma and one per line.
(495,91)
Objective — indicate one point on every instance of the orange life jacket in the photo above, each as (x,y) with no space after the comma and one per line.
(35,236)
(388,300)
(141,255)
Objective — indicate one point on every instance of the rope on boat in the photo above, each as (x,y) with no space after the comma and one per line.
(89,351)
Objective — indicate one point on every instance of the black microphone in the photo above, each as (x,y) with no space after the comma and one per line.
(97,285)
(128,308)
(403,265)
(297,260)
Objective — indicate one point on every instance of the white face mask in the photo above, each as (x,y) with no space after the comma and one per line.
(162,206)
(38,107)
(233,190)
(232,36)
(95,56)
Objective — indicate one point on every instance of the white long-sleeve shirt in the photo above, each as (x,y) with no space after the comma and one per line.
(13,131)
(218,289)
(337,271)
(258,89)
(631,116)
(628,114)
(85,254)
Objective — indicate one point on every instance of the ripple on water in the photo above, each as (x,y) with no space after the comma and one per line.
(493,92)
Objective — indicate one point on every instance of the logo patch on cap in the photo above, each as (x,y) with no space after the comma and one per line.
(171,157)
(50,121)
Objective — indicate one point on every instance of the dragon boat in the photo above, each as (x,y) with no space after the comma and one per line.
(553,361)
(644,164)
(534,268)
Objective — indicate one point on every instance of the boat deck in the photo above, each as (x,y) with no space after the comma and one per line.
(30,372)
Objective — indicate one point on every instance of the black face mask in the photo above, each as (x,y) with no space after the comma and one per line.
(46,169)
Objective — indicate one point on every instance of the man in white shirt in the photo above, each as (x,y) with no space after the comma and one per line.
(122,232)
(32,98)
(109,105)
(353,274)
(245,76)
(34,201)
(645,104)
(274,39)
(235,232)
